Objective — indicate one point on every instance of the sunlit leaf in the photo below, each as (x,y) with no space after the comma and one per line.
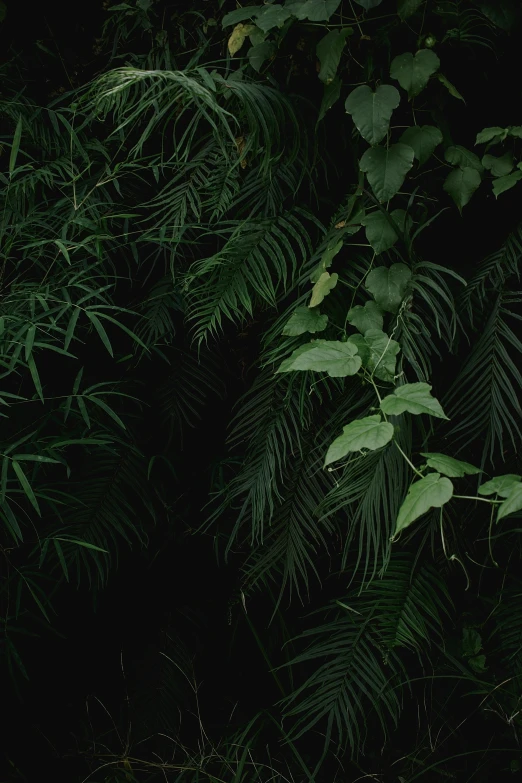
(430,492)
(369,433)
(449,466)
(414,398)
(332,356)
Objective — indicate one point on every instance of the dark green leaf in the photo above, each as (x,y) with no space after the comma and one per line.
(413,72)
(450,87)
(272,16)
(406,8)
(372,111)
(423,140)
(461,184)
(503,13)
(368,4)
(471,642)
(259,54)
(15,145)
(367,317)
(22,478)
(389,286)
(336,358)
(499,167)
(305,320)
(512,503)
(240,15)
(460,156)
(329,51)
(430,492)
(492,135)
(332,93)
(502,184)
(369,433)
(378,353)
(314,10)
(386,168)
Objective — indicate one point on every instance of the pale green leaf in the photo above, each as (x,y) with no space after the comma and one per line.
(461,185)
(326,260)
(450,87)
(367,317)
(414,398)
(386,168)
(378,353)
(512,503)
(389,286)
(329,51)
(500,485)
(237,37)
(372,111)
(423,139)
(449,466)
(259,54)
(413,71)
(368,433)
(314,10)
(499,167)
(406,8)
(331,356)
(460,156)
(502,184)
(323,287)
(305,320)
(430,492)
(493,135)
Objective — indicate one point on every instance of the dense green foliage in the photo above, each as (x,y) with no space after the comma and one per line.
(260,370)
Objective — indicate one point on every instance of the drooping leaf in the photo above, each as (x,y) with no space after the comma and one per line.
(378,353)
(413,71)
(389,286)
(461,185)
(372,111)
(386,168)
(492,135)
(22,478)
(406,8)
(332,93)
(414,398)
(260,53)
(323,287)
(501,184)
(240,15)
(367,317)
(369,433)
(500,485)
(430,492)
(450,87)
(271,16)
(512,503)
(329,51)
(305,320)
(460,156)
(499,167)
(326,260)
(237,37)
(380,232)
(449,466)
(17,137)
(423,139)
(332,356)
(314,10)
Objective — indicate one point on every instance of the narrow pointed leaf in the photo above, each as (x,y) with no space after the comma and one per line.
(512,503)
(22,478)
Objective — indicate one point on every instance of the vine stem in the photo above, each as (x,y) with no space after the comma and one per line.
(408,460)
(473,497)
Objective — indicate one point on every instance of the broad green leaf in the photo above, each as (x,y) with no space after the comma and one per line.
(259,54)
(240,15)
(493,135)
(512,503)
(386,168)
(372,111)
(406,8)
(305,320)
(499,167)
(515,131)
(380,232)
(502,184)
(314,10)
(22,478)
(471,642)
(329,51)
(449,466)
(368,4)
(332,93)
(389,286)
(326,260)
(413,71)
(478,663)
(450,87)
(368,433)
(461,185)
(256,36)
(15,145)
(460,156)
(500,485)
(378,353)
(367,317)
(272,16)
(237,37)
(430,492)
(423,139)
(332,356)
(323,287)
(414,398)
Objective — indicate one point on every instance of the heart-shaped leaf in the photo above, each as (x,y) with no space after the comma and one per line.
(332,356)
(386,168)
(460,156)
(423,140)
(272,16)
(430,492)
(378,353)
(449,466)
(499,167)
(414,398)
(372,111)
(491,135)
(413,72)
(380,232)
(502,184)
(500,485)
(368,433)
(512,503)
(461,185)
(367,317)
(305,320)
(323,287)
(260,53)
(240,14)
(389,286)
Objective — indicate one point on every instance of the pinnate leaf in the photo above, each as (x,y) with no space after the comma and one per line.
(369,433)
(433,491)
(331,356)
(414,398)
